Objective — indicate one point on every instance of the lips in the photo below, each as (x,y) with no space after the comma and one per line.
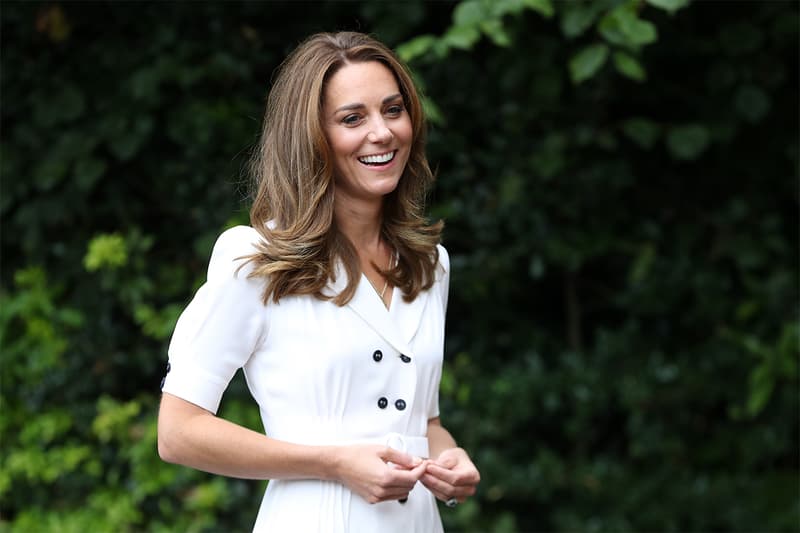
(378,159)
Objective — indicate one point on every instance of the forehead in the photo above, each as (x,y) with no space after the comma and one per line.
(364,83)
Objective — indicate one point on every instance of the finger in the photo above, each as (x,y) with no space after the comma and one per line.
(453,477)
(419,470)
(448,461)
(431,483)
(400,458)
(396,495)
(437,486)
(404,479)
(388,494)
(444,490)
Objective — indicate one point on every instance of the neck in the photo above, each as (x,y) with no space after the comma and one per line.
(360,223)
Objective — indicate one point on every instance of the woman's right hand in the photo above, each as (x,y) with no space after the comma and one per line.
(377,473)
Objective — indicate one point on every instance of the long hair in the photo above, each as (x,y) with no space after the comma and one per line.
(294,172)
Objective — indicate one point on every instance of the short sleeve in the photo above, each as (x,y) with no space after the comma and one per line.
(443,285)
(221,327)
(444,282)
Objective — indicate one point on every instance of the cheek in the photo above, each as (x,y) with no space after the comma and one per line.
(345,144)
(407,131)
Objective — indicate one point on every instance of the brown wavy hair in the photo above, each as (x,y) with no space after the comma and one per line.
(294,173)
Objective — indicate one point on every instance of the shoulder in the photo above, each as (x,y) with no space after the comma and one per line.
(243,238)
(232,249)
(442,272)
(444,259)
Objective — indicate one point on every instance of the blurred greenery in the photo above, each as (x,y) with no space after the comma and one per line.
(619,180)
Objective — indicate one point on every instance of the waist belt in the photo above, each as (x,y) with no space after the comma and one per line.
(417,446)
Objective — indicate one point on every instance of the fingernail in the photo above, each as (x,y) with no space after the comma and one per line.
(416,460)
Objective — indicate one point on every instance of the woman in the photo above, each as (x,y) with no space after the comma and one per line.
(333,303)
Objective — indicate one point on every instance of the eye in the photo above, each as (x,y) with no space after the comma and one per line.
(351,120)
(394,110)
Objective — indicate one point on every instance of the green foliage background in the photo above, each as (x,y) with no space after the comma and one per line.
(619,181)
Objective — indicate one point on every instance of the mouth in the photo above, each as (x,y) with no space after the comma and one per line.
(377,159)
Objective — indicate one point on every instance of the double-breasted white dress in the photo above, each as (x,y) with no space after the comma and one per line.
(321,374)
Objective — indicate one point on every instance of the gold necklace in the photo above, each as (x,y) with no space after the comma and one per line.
(385,281)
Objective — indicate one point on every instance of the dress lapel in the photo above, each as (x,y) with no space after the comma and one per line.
(406,316)
(396,327)
(367,304)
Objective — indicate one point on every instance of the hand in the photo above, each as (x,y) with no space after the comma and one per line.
(451,475)
(378,473)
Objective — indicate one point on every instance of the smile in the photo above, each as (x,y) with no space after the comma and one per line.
(379,159)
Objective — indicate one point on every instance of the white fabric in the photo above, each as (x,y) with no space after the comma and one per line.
(309,364)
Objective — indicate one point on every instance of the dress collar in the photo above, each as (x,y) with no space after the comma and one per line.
(397,325)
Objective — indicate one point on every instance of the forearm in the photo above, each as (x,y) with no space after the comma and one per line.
(193,437)
(439,439)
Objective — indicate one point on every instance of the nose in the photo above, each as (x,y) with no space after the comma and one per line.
(380,133)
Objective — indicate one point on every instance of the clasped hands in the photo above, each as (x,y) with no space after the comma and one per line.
(381,473)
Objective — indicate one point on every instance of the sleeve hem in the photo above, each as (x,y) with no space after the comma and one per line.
(195,386)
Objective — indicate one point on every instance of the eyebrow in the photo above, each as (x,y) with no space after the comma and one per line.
(351,107)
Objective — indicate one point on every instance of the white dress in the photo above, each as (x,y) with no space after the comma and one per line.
(321,374)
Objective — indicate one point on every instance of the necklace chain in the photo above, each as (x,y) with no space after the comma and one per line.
(385,280)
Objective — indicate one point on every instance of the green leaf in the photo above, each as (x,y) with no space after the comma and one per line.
(498,8)
(157,324)
(669,5)
(87,171)
(113,417)
(762,383)
(687,142)
(622,26)
(65,104)
(130,139)
(577,18)
(642,131)
(629,66)
(536,267)
(432,112)
(49,172)
(463,37)
(642,264)
(543,7)
(752,103)
(587,62)
(106,250)
(494,29)
(469,13)
(416,47)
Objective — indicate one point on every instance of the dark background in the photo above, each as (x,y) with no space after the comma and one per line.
(619,182)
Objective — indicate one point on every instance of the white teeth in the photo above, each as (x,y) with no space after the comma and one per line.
(377,159)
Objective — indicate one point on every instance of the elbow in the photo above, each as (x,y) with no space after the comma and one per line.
(164,451)
(166,448)
(171,438)
(176,424)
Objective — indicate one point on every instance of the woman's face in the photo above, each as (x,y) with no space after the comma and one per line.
(368,129)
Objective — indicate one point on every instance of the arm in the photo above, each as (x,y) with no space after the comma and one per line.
(450,472)
(191,436)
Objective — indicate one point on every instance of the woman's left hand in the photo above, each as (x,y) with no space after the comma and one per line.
(451,475)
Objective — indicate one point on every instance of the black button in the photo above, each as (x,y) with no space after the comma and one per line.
(403,500)
(400,404)
(378,355)
(405,358)
(382,403)
(169,367)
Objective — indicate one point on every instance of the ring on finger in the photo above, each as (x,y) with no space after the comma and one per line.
(452,502)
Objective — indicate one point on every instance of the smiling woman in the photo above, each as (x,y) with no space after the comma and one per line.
(370,139)
(353,437)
